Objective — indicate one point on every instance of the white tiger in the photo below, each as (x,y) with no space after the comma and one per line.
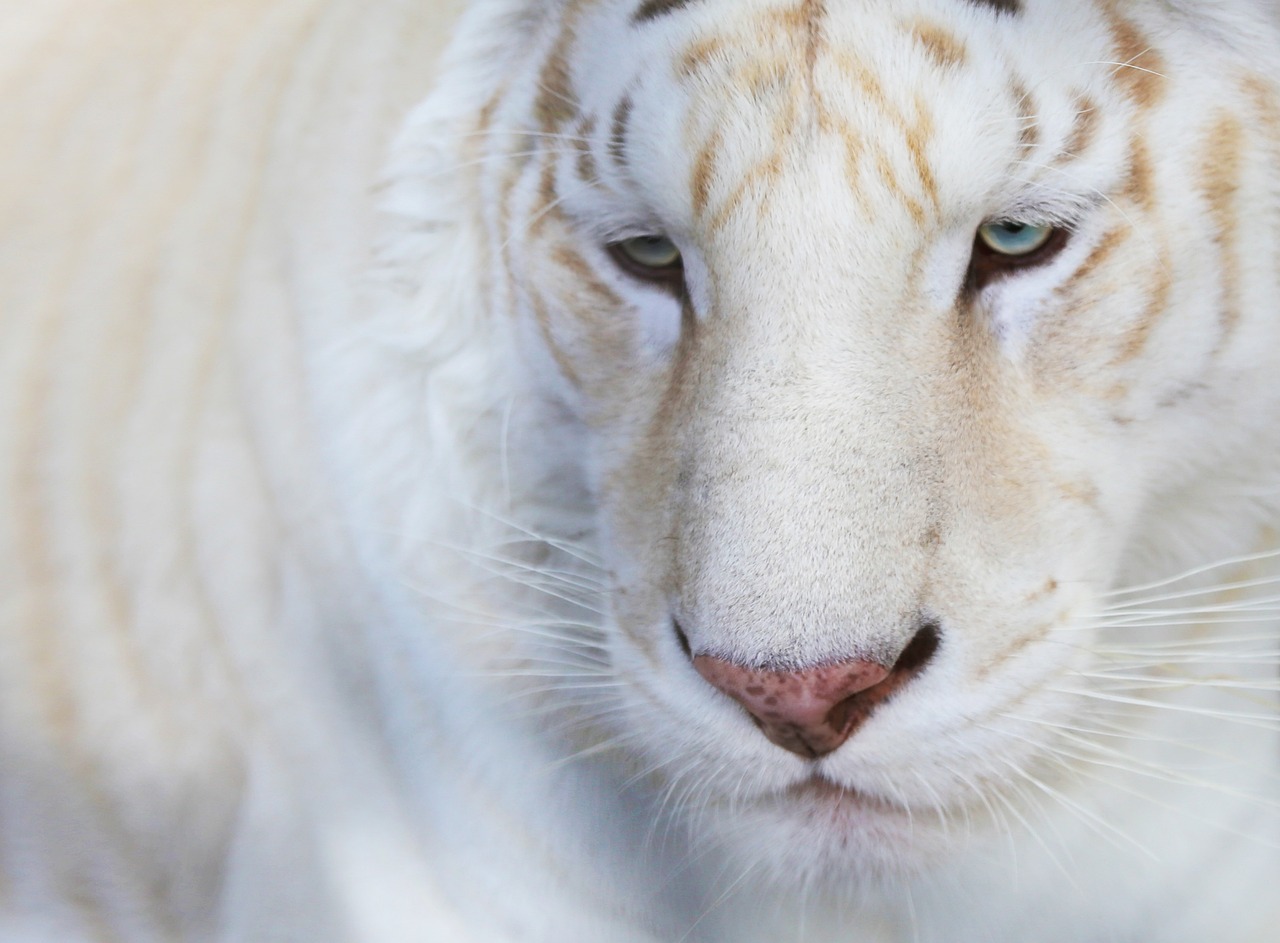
(794,470)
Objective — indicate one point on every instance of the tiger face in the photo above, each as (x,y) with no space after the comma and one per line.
(894,333)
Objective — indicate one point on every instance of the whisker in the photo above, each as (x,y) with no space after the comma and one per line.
(1155,681)
(1262,721)
(1189,593)
(1241,560)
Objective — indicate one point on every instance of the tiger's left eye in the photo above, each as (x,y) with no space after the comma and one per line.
(650,258)
(1014,240)
(1003,247)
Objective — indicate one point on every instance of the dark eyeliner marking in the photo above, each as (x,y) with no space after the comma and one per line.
(652,9)
(1012,7)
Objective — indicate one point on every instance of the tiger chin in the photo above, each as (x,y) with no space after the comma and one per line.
(792,470)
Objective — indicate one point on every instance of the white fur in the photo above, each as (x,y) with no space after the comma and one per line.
(431,712)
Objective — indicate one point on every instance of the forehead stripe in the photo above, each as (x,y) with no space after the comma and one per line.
(618,131)
(652,9)
(1000,6)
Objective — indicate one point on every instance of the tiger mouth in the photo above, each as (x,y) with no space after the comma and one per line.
(819,792)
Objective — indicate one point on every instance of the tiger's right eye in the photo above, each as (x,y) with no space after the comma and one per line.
(653,259)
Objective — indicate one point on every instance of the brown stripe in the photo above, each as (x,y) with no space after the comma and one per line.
(1098,255)
(696,56)
(887,174)
(556,105)
(1140,185)
(853,151)
(1087,493)
(1153,312)
(864,78)
(703,170)
(1028,119)
(918,137)
(652,9)
(1220,170)
(541,213)
(940,45)
(1085,128)
(1010,7)
(815,12)
(586,163)
(759,177)
(543,319)
(583,272)
(1038,634)
(618,131)
(1139,69)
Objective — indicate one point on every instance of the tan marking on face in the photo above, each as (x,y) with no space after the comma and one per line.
(763,77)
(697,55)
(918,137)
(1219,182)
(586,163)
(704,167)
(1158,296)
(756,179)
(917,134)
(813,11)
(514,170)
(853,151)
(939,44)
(1082,492)
(556,105)
(1008,654)
(618,130)
(1028,119)
(542,210)
(1265,102)
(569,258)
(866,80)
(1085,128)
(804,19)
(1098,256)
(888,174)
(542,317)
(1044,592)
(485,119)
(1139,68)
(1140,185)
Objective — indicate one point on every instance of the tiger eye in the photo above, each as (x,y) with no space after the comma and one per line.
(653,259)
(1002,247)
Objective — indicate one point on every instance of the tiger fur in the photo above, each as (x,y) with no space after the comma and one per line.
(363,529)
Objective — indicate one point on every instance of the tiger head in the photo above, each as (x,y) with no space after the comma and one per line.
(894,335)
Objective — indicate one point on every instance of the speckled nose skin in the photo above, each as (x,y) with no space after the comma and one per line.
(810,712)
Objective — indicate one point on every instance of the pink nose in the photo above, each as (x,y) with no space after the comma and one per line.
(812,711)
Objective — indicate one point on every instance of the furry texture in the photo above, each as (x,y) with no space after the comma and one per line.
(338,595)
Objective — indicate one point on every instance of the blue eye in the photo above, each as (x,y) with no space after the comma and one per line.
(650,252)
(1013,239)
(653,259)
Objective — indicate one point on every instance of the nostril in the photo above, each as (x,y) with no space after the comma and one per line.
(682,639)
(852,712)
(920,650)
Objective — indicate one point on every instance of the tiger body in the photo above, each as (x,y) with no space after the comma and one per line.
(357,539)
